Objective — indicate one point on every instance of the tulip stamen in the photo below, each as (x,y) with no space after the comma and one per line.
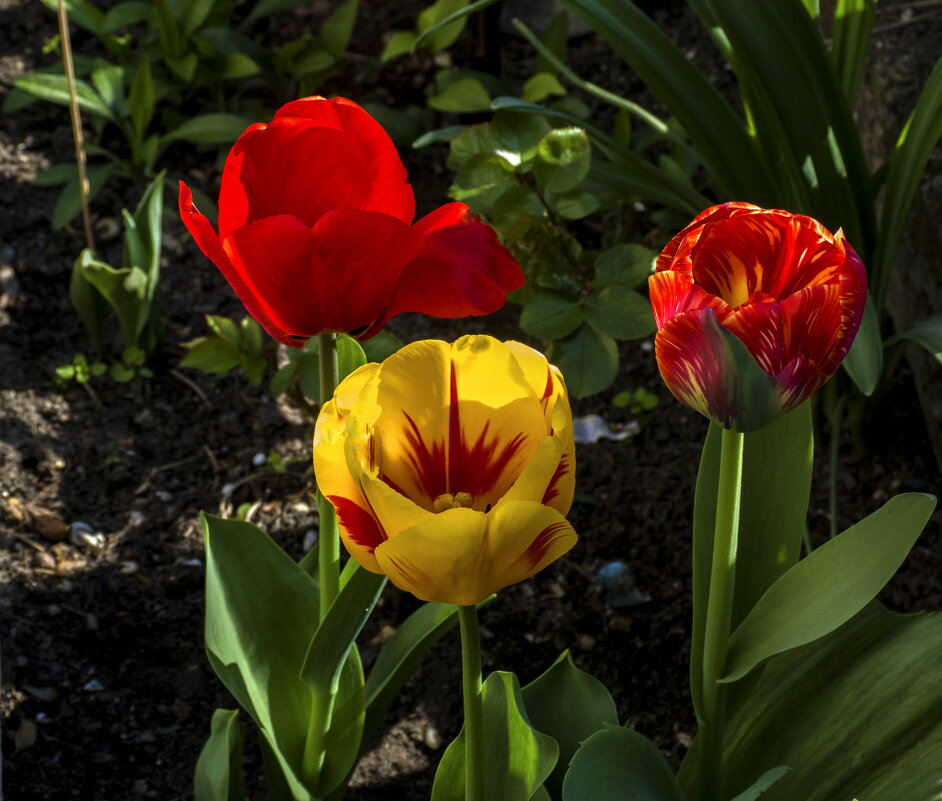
(448,500)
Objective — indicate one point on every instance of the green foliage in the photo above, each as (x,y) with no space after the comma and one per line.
(79,370)
(529,179)
(638,403)
(176,72)
(228,346)
(131,291)
(219,767)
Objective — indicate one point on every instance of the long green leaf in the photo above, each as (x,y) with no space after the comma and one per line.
(210,129)
(219,767)
(864,360)
(855,715)
(913,148)
(729,151)
(927,333)
(853,22)
(55,89)
(830,586)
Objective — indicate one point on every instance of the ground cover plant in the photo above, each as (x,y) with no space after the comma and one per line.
(87,617)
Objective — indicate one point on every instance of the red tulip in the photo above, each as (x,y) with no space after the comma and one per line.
(755,310)
(316,232)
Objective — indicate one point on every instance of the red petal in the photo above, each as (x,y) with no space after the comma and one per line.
(811,324)
(208,241)
(759,328)
(335,277)
(462,271)
(800,378)
(389,192)
(544,541)
(357,523)
(694,363)
(559,479)
(689,235)
(674,293)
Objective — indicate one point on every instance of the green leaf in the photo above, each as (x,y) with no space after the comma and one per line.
(254,368)
(108,79)
(462,97)
(211,129)
(282,377)
(195,13)
(554,39)
(864,360)
(124,290)
(239,65)
(517,758)
(829,586)
(399,657)
(620,312)
(350,355)
(574,205)
(381,347)
(121,373)
(927,333)
(570,706)
(88,302)
(55,175)
(337,28)
(763,783)
(855,713)
(776,486)
(541,86)
(627,265)
(55,89)
(588,361)
(399,44)
(444,36)
(620,765)
(219,767)
(853,22)
(226,329)
(142,98)
(550,316)
(481,180)
(124,14)
(252,336)
(562,160)
(211,355)
(261,614)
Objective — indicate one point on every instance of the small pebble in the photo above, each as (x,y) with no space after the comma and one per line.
(259,459)
(432,738)
(93,686)
(128,567)
(227,489)
(310,539)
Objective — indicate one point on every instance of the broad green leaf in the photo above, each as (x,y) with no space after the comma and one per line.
(829,586)
(481,180)
(239,65)
(438,40)
(264,8)
(211,355)
(252,336)
(471,141)
(123,289)
(541,86)
(620,312)
(226,329)
(515,204)
(570,706)
(462,97)
(563,158)
(855,714)
(261,614)
(927,333)
(195,13)
(776,486)
(551,316)
(763,783)
(588,360)
(124,14)
(619,764)
(853,22)
(399,657)
(55,175)
(282,377)
(864,360)
(219,767)
(517,758)
(906,167)
(313,61)
(141,99)
(627,265)
(337,28)
(88,303)
(55,89)
(81,12)
(211,129)
(254,368)
(69,203)
(399,44)
(574,205)
(108,80)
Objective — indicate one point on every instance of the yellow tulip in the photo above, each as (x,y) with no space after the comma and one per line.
(451,466)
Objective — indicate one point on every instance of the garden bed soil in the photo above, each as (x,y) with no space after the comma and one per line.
(106,690)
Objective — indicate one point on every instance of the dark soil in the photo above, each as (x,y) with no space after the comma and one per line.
(106,691)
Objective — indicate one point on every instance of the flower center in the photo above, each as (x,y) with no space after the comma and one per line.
(448,500)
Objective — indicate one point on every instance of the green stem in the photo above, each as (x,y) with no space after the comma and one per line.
(473,708)
(719,612)
(328,540)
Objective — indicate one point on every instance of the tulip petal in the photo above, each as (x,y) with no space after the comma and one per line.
(388,191)
(334,277)
(208,241)
(462,271)
(454,419)
(811,321)
(535,479)
(759,327)
(673,293)
(462,556)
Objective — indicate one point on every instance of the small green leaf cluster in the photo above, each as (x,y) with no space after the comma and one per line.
(170,61)
(529,179)
(132,291)
(130,366)
(639,402)
(230,345)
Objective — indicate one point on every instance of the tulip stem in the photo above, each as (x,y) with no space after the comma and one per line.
(328,540)
(473,707)
(719,613)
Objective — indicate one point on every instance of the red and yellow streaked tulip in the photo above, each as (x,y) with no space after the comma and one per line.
(451,466)
(755,310)
(316,230)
